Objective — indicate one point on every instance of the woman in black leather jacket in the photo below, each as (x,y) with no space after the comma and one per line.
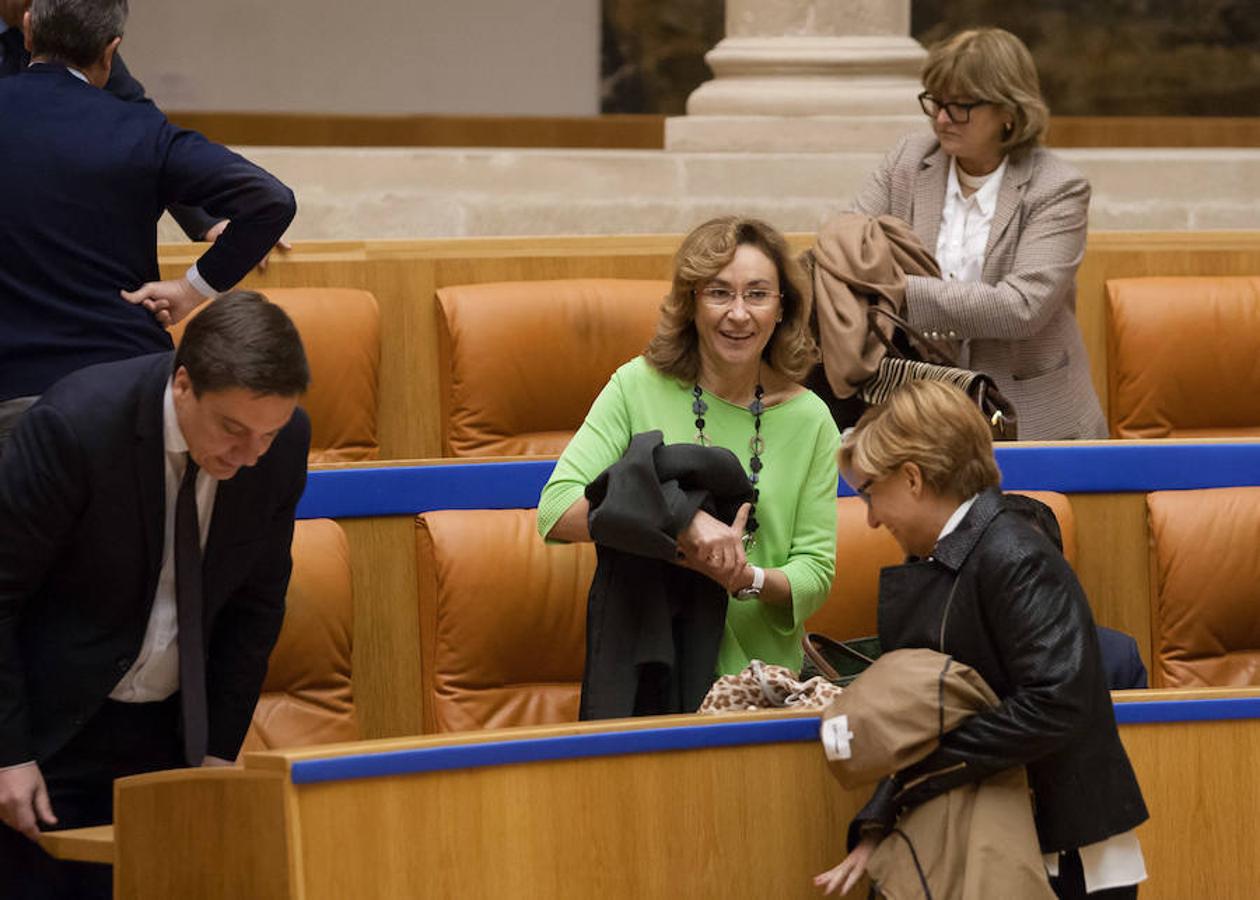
(985,585)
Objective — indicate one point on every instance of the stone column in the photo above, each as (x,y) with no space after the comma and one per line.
(806,75)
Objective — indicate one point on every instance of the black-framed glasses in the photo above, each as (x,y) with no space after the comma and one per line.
(958,113)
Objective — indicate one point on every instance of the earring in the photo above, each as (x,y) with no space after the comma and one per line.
(1007,130)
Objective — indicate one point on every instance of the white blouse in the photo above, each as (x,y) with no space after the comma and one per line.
(965,222)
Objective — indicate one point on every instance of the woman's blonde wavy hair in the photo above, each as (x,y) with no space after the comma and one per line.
(706,251)
(933,425)
(993,65)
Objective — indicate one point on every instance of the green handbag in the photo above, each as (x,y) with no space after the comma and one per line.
(838,661)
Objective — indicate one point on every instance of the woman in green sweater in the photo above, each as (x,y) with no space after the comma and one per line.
(732,342)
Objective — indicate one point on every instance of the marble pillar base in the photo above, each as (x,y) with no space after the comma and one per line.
(786,134)
(804,94)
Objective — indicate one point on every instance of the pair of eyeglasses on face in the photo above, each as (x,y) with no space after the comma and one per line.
(717,295)
(958,113)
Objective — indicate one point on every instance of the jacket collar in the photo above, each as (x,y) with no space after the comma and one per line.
(953,549)
(1019,169)
(150,455)
(929,196)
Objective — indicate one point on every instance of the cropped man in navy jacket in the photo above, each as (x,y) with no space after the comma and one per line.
(14,58)
(93,684)
(84,181)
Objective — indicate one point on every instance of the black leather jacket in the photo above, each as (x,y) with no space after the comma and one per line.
(997,595)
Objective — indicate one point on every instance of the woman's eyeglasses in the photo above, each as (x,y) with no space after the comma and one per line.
(958,113)
(715,295)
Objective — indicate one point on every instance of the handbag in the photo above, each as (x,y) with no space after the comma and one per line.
(937,363)
(837,661)
(760,685)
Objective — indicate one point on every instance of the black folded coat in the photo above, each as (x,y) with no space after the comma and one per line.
(653,627)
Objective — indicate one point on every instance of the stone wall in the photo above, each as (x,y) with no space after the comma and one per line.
(406,193)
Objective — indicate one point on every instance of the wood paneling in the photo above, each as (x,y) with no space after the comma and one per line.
(642,132)
(192,833)
(1153,131)
(94,844)
(734,821)
(386,660)
(1202,787)
(404,275)
(625,132)
(1111,549)
(720,822)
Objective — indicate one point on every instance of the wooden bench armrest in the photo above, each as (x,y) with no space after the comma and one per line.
(94,844)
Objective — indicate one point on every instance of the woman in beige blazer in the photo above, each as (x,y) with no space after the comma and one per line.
(1006,219)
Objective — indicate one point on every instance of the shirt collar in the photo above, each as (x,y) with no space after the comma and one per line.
(172,436)
(957,516)
(60,65)
(986,197)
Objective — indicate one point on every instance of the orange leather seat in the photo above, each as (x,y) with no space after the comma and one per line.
(1181,357)
(502,620)
(503,614)
(861,551)
(307,697)
(1205,582)
(522,361)
(341,331)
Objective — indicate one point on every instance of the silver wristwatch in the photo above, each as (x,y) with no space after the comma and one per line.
(753,591)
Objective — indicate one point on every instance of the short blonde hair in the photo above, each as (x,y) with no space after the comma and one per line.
(933,425)
(675,349)
(993,65)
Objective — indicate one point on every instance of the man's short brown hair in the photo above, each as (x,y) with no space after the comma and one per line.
(243,340)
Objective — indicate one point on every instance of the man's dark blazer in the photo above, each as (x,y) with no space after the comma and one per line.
(1121,660)
(84,180)
(123,85)
(82,487)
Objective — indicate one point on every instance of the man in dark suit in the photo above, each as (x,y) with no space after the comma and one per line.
(84,181)
(146,515)
(14,57)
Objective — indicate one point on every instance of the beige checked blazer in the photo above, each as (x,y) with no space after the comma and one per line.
(1018,323)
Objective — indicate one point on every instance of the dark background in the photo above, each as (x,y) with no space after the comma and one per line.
(1095,57)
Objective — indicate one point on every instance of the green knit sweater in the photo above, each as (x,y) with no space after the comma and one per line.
(797,510)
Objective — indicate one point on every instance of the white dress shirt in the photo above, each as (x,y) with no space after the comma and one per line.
(1111,863)
(155,673)
(965,223)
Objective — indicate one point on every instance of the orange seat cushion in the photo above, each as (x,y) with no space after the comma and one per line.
(521,362)
(307,697)
(1181,357)
(1205,581)
(502,620)
(341,331)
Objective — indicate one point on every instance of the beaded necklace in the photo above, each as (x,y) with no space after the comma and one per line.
(756,447)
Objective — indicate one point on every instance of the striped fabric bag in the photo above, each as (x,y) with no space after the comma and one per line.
(894,372)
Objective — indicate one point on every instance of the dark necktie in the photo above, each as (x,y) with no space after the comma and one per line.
(11,52)
(189,616)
